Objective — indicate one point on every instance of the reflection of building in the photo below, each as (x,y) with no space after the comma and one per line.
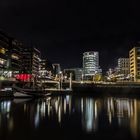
(90,112)
(91,64)
(59,106)
(127,112)
(6,119)
(134,56)
(135,120)
(30,60)
(124,66)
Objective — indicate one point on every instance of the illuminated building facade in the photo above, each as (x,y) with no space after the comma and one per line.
(134,55)
(91,64)
(45,68)
(4,48)
(56,69)
(67,73)
(124,66)
(76,73)
(30,61)
(16,55)
(10,55)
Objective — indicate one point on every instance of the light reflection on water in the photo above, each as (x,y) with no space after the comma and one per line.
(90,115)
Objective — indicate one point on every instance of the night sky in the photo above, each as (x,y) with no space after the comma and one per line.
(63,30)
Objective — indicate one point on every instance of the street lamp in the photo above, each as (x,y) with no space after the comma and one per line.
(60,79)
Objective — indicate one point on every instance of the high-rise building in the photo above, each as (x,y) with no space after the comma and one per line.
(134,56)
(124,66)
(16,55)
(10,54)
(56,69)
(4,50)
(30,61)
(91,64)
(78,74)
(45,69)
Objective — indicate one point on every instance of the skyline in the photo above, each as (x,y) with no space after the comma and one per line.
(65,30)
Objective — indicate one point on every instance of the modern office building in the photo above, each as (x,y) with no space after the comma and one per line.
(16,55)
(134,56)
(124,66)
(4,49)
(67,73)
(10,55)
(91,64)
(56,69)
(30,61)
(45,69)
(77,73)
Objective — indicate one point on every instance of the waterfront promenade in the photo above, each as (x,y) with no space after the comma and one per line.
(82,87)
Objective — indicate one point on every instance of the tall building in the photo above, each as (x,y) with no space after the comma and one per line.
(16,55)
(124,66)
(91,64)
(56,69)
(134,55)
(30,61)
(10,54)
(76,73)
(45,69)
(4,51)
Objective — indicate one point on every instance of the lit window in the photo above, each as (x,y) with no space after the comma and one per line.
(2,50)
(2,61)
(14,56)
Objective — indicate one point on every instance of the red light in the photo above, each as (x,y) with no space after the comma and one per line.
(24,77)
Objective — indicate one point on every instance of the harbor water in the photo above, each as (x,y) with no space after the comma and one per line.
(70,117)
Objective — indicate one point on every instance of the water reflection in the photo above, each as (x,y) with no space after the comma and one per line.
(90,115)
(94,113)
(6,119)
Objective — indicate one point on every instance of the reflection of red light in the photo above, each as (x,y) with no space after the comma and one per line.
(24,77)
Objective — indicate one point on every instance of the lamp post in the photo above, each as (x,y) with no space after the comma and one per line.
(70,86)
(60,80)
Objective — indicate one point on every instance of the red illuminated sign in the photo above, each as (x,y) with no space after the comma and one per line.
(24,77)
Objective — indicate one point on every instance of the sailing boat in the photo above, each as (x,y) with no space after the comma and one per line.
(36,91)
(33,91)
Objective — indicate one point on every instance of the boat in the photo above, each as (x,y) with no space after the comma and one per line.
(28,92)
(36,91)
(33,93)
(6,89)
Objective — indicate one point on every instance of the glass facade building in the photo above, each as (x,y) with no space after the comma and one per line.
(91,63)
(30,59)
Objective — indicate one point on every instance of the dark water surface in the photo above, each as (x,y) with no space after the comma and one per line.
(70,117)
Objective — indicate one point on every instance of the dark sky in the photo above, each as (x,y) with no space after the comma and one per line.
(63,30)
